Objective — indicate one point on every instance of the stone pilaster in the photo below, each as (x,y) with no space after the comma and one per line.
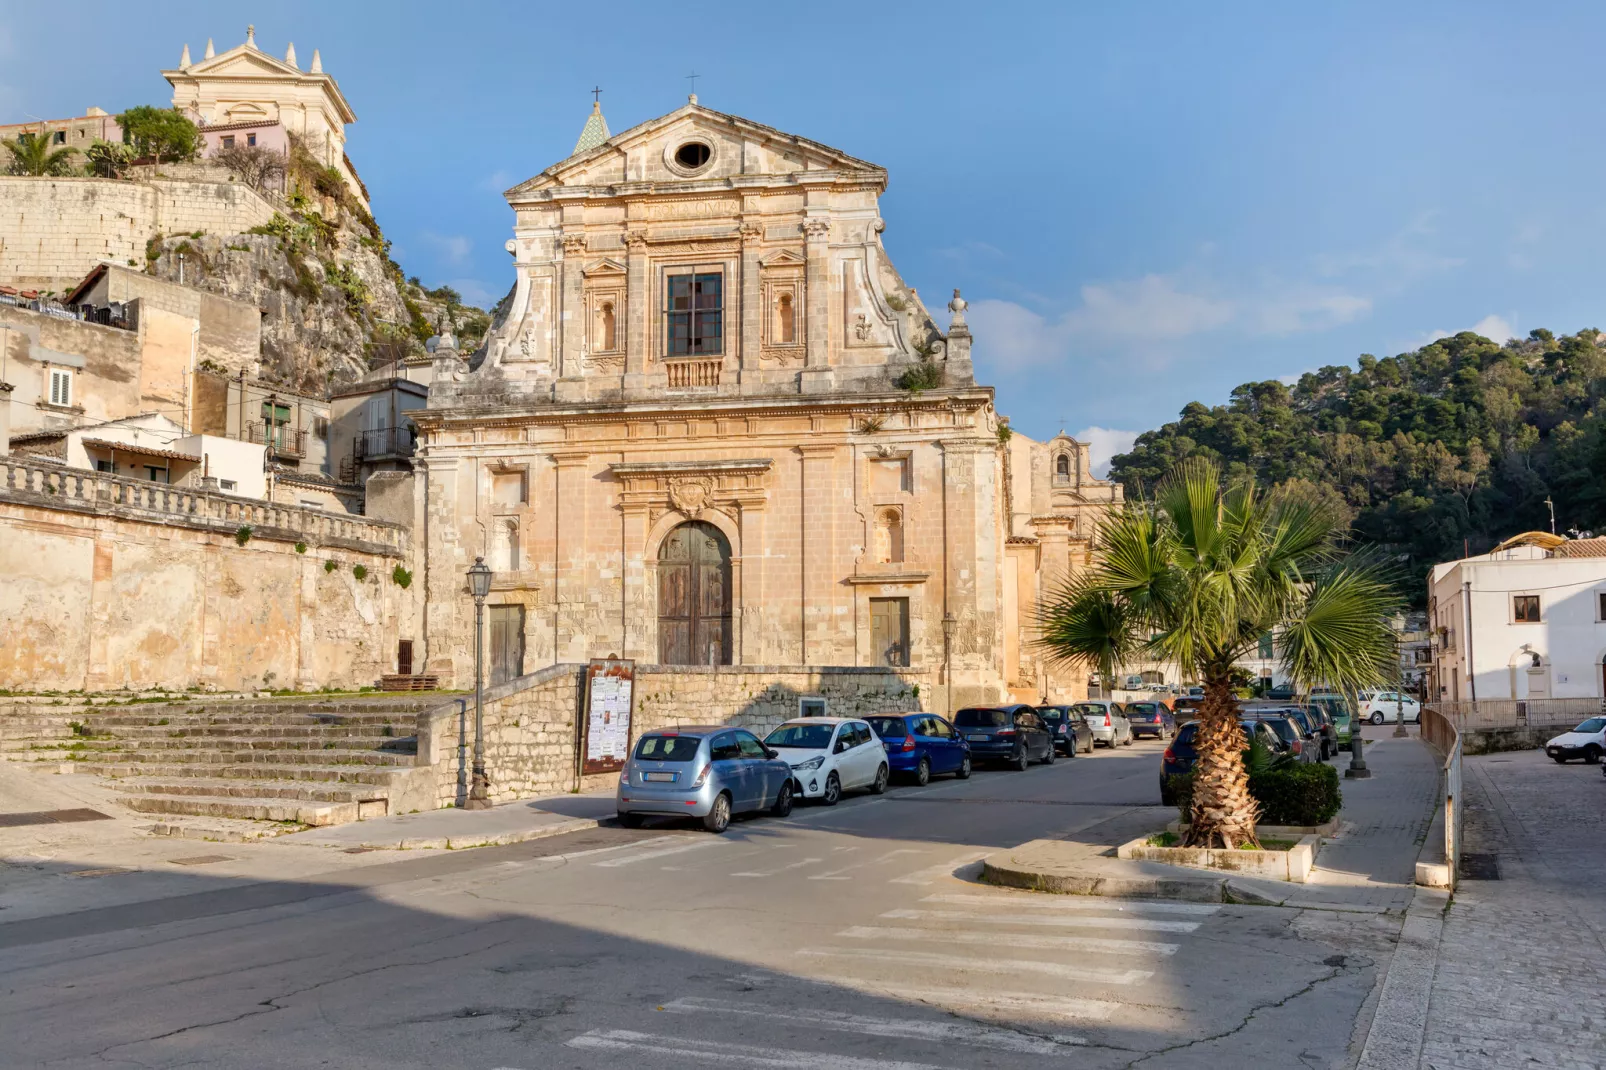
(819,489)
(639,602)
(571,319)
(816,376)
(751,517)
(569,577)
(638,300)
(752,310)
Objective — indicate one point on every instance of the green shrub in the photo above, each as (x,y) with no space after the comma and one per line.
(164,133)
(360,571)
(301,547)
(330,566)
(402,577)
(1298,793)
(242,534)
(927,375)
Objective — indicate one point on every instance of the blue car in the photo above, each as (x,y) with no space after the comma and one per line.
(919,745)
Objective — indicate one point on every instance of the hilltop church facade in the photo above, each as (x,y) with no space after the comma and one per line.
(715,427)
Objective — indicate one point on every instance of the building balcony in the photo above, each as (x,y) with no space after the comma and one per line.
(693,373)
(282,442)
(385,443)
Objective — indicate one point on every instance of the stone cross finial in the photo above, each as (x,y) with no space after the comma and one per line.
(957,306)
(317,62)
(251,36)
(184,60)
(290,55)
(210,51)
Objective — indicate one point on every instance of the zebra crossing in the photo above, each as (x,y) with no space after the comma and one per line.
(960,972)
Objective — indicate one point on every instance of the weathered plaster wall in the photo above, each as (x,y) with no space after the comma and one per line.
(53,230)
(117,583)
(530,723)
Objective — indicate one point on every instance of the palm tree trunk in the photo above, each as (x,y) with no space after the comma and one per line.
(1223,810)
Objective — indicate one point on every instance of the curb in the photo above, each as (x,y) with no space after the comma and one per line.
(466,840)
(1185,889)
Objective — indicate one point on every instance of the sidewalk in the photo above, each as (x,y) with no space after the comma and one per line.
(1521,970)
(1370,865)
(452,829)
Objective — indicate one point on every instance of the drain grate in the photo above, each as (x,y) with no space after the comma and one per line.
(1479,867)
(51,817)
(199,860)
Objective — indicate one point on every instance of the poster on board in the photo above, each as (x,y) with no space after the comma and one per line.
(610,698)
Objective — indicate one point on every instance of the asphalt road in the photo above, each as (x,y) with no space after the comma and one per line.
(846,938)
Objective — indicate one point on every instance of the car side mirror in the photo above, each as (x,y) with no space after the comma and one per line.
(771,752)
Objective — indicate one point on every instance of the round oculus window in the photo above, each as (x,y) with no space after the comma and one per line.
(693,155)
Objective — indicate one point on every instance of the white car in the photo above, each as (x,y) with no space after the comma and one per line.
(830,755)
(1587,741)
(1386,707)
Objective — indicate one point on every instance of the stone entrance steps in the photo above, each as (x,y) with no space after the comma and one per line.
(237,769)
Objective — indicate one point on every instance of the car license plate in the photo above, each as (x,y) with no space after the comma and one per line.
(659,778)
(978,739)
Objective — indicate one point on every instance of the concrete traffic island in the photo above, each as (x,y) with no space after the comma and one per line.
(1067,868)
(1284,864)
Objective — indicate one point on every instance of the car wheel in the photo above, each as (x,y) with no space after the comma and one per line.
(1558,759)
(923,772)
(719,817)
(1377,718)
(833,790)
(1591,754)
(963,772)
(783,802)
(1020,761)
(631,821)
(1050,754)
(879,787)
(1070,748)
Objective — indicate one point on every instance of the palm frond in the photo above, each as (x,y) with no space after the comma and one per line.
(1338,635)
(1089,626)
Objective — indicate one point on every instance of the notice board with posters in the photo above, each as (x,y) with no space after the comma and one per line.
(610,702)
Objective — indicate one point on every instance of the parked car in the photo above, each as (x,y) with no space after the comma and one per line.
(1587,741)
(1183,752)
(1109,724)
(1150,719)
(1329,732)
(1386,707)
(1011,734)
(1071,731)
(919,745)
(1186,709)
(1337,706)
(830,755)
(1291,734)
(710,772)
(1280,693)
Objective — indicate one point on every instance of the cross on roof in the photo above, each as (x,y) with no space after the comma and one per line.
(693,79)
(596,94)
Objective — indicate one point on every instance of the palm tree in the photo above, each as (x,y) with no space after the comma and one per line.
(32,154)
(1197,577)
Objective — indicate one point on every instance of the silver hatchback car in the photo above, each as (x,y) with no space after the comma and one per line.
(1109,724)
(704,771)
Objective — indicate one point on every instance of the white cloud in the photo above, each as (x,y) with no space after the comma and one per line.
(1495,328)
(498,181)
(474,292)
(1147,316)
(454,248)
(1103,443)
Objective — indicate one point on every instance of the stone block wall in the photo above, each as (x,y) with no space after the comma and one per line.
(531,735)
(54,230)
(116,583)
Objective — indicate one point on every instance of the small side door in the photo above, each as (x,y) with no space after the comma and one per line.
(764,781)
(725,754)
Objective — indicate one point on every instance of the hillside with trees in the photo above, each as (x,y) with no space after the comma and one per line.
(1453,446)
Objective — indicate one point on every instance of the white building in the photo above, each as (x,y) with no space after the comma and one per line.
(1525,621)
(152,447)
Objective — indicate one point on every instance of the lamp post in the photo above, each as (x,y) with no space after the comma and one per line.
(479,585)
(1357,747)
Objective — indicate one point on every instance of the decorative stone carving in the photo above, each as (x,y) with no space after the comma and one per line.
(691,494)
(636,239)
(816,229)
(574,244)
(957,306)
(751,232)
(861,328)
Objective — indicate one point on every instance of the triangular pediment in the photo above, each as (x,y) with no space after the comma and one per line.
(739,148)
(606,266)
(782,258)
(240,61)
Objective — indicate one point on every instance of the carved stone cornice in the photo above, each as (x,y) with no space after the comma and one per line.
(693,487)
(817,229)
(636,240)
(750,233)
(573,244)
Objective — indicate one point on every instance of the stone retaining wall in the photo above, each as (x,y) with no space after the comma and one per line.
(531,736)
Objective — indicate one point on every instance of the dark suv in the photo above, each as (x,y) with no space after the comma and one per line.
(1072,734)
(1149,718)
(1011,734)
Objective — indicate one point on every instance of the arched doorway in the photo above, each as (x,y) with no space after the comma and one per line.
(694,596)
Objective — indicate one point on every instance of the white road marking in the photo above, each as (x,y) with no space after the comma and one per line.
(1015,902)
(1068,922)
(836,874)
(932,874)
(1031,940)
(661,852)
(903,1028)
(1065,1008)
(709,1051)
(783,869)
(989,964)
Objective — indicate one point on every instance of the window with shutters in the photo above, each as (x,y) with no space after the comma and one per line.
(694,308)
(1525,609)
(60,387)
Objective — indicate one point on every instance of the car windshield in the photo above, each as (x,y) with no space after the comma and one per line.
(1142,709)
(1090,709)
(803,736)
(888,727)
(1594,724)
(667,748)
(983,719)
(1283,727)
(1051,714)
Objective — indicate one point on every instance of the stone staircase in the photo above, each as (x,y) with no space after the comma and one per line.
(246,768)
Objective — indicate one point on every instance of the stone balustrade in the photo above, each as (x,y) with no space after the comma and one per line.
(80,490)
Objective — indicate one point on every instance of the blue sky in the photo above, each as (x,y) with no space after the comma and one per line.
(1145,204)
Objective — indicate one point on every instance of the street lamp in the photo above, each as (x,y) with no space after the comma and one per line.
(479,585)
(1357,754)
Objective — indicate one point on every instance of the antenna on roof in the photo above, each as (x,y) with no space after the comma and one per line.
(691,98)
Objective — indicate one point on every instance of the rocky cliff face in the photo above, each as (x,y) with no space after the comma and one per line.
(328,293)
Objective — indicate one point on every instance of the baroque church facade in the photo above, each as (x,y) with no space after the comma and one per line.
(714,426)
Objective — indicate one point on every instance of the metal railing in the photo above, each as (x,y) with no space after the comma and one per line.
(1439,731)
(385,442)
(282,441)
(1518,713)
(80,490)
